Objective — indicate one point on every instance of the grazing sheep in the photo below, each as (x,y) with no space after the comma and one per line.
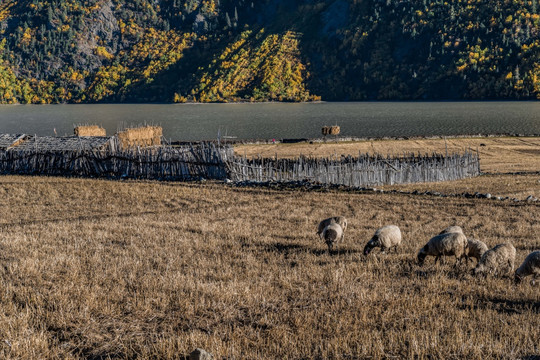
(494,259)
(475,249)
(453,243)
(452,229)
(386,237)
(340,220)
(530,266)
(331,234)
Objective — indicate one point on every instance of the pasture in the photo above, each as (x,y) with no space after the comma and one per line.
(131,269)
(126,269)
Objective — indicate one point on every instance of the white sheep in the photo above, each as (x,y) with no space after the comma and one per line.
(453,243)
(331,235)
(493,260)
(340,220)
(386,237)
(451,229)
(530,266)
(475,249)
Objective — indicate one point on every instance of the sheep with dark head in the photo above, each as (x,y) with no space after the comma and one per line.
(332,234)
(340,220)
(386,237)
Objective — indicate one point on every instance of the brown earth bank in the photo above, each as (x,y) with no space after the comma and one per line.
(108,269)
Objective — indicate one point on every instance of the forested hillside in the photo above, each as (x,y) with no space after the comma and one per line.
(56,51)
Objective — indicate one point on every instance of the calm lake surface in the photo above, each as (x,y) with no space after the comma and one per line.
(277,120)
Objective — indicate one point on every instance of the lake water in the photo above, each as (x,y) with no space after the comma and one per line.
(277,120)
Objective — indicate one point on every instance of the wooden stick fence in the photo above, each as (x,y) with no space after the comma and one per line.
(102,157)
(364,170)
(165,163)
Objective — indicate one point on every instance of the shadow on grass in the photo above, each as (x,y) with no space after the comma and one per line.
(84,218)
(459,272)
(120,356)
(504,306)
(528,247)
(291,248)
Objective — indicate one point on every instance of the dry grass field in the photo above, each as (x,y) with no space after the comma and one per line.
(102,269)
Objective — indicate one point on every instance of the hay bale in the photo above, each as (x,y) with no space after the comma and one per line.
(335,130)
(89,130)
(330,130)
(143,136)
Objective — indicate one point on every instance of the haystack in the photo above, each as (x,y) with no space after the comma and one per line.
(140,136)
(330,130)
(89,130)
(335,130)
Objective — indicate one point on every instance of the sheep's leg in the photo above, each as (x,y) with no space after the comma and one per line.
(458,262)
(510,267)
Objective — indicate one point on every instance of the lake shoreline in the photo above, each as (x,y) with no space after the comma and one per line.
(345,139)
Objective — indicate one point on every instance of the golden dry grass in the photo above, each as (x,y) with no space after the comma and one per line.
(140,136)
(102,269)
(497,154)
(89,130)
(513,186)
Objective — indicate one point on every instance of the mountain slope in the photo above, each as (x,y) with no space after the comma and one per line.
(235,50)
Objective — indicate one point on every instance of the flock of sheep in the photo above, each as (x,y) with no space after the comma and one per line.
(450,242)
